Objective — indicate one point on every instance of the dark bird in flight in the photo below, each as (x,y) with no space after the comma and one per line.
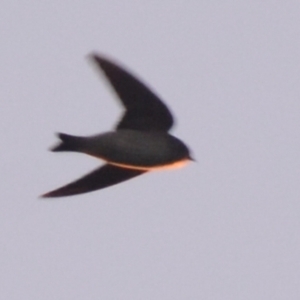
(140,142)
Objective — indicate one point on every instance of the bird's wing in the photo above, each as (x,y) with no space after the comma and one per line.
(100,178)
(144,110)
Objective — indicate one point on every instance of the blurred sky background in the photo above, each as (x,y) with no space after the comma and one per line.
(225,227)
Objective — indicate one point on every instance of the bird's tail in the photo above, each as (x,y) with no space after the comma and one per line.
(68,143)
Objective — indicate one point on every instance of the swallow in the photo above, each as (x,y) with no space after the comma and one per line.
(139,143)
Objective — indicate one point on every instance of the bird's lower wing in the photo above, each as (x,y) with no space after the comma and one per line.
(100,178)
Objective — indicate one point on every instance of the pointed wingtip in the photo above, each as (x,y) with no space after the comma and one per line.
(52,194)
(60,192)
(96,57)
(104,61)
(46,195)
(92,56)
(98,60)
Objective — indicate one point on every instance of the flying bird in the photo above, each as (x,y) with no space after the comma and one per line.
(140,142)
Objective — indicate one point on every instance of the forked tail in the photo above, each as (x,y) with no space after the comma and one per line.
(68,143)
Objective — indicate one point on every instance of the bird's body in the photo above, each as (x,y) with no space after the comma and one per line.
(129,148)
(140,143)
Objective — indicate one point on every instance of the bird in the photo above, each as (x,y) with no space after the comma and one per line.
(140,142)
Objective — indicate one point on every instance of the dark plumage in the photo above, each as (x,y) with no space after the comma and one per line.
(140,143)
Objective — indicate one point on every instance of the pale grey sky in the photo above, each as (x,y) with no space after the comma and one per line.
(226,227)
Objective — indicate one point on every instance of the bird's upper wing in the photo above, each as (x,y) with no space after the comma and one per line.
(144,110)
(100,178)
